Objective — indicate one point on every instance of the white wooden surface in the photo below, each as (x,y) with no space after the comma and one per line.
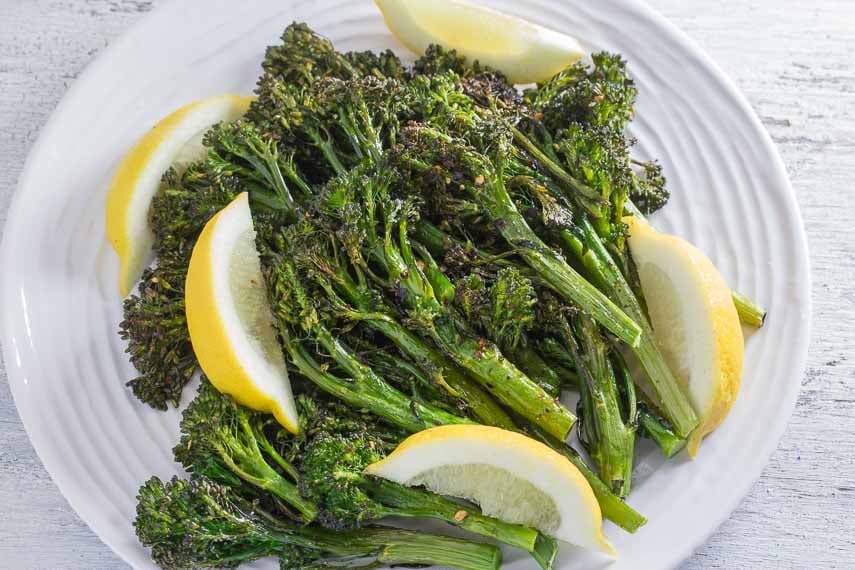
(795,61)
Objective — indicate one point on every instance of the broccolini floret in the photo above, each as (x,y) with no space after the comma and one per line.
(384,64)
(200,523)
(303,57)
(239,150)
(155,328)
(502,309)
(438,59)
(225,441)
(599,157)
(602,95)
(648,191)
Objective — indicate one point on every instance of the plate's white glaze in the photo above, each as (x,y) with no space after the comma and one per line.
(60,305)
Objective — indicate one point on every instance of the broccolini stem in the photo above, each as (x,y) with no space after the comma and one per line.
(439,282)
(531,363)
(328,150)
(258,472)
(468,391)
(555,169)
(607,275)
(607,436)
(274,455)
(366,390)
(389,546)
(402,547)
(749,313)
(289,493)
(409,502)
(277,180)
(425,415)
(290,171)
(613,507)
(483,360)
(545,551)
(654,428)
(433,238)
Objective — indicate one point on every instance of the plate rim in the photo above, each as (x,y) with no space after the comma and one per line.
(17,377)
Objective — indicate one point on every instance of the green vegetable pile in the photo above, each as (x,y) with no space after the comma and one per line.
(438,248)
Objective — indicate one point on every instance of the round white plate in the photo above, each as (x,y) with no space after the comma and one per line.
(61,306)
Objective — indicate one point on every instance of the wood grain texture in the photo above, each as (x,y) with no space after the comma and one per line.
(794,60)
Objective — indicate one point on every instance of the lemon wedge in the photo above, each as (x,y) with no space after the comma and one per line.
(512,477)
(694,320)
(523,51)
(229,317)
(177,139)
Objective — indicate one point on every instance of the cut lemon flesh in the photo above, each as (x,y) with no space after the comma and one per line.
(523,51)
(694,320)
(512,477)
(175,140)
(229,317)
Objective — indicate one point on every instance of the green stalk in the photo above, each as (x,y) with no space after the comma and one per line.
(327,149)
(608,437)
(266,478)
(545,551)
(530,362)
(434,239)
(365,389)
(274,454)
(468,391)
(409,502)
(483,360)
(479,401)
(419,548)
(248,463)
(749,313)
(289,169)
(394,546)
(655,429)
(559,173)
(550,266)
(442,286)
(426,415)
(607,275)
(479,357)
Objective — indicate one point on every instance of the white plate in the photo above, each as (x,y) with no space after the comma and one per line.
(60,304)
